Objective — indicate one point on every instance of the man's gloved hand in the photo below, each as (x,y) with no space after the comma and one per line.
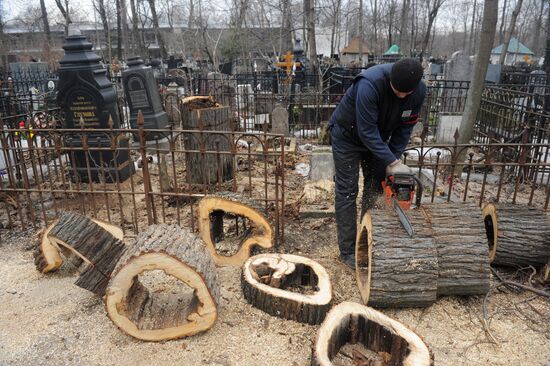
(396,168)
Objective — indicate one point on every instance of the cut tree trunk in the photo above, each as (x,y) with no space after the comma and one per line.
(393,269)
(353,323)
(459,236)
(141,311)
(259,234)
(98,244)
(518,235)
(46,255)
(288,286)
(210,161)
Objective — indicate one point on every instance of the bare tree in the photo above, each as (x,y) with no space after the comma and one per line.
(309,14)
(502,22)
(137,38)
(156,26)
(473,100)
(537,45)
(404,32)
(46,25)
(509,32)
(65,12)
(433,9)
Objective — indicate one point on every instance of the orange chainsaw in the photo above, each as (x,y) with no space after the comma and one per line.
(399,191)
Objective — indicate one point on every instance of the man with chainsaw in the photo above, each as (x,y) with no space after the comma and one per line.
(371,127)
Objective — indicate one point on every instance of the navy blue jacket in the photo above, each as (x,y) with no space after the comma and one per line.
(374,115)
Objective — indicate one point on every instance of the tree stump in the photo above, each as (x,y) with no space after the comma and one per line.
(459,236)
(353,323)
(393,269)
(260,232)
(203,114)
(287,286)
(140,310)
(98,244)
(518,235)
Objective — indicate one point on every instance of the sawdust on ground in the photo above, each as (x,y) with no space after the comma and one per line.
(46,320)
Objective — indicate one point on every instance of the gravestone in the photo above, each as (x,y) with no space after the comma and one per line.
(142,94)
(279,121)
(446,128)
(322,164)
(459,67)
(88,100)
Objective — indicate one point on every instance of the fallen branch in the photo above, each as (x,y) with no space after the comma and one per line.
(520,285)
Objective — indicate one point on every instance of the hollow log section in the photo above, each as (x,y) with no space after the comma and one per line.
(179,253)
(260,235)
(265,278)
(459,237)
(46,255)
(393,269)
(96,243)
(353,323)
(518,235)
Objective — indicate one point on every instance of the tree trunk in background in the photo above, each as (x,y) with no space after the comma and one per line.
(65,13)
(125,30)
(118,30)
(537,45)
(431,19)
(361,33)
(286,31)
(137,45)
(509,32)
(403,35)
(310,23)
(502,22)
(3,46)
(471,42)
(160,39)
(46,25)
(100,7)
(488,29)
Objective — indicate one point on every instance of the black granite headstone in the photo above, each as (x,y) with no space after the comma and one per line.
(141,90)
(88,100)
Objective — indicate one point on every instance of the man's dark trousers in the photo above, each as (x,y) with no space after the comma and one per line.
(348,152)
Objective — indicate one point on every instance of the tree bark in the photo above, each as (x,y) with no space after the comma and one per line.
(119,29)
(473,99)
(260,232)
(517,235)
(158,311)
(393,269)
(98,247)
(287,286)
(502,22)
(137,44)
(309,7)
(404,35)
(460,239)
(46,25)
(471,42)
(349,322)
(65,12)
(509,32)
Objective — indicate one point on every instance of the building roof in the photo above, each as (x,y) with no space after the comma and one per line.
(393,50)
(515,46)
(353,47)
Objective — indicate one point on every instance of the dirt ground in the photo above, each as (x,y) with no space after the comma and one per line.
(46,320)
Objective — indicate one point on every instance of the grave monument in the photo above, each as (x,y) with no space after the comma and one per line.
(88,100)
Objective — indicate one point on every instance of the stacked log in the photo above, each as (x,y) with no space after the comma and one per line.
(211,209)
(141,312)
(353,323)
(272,283)
(517,235)
(459,237)
(97,244)
(393,269)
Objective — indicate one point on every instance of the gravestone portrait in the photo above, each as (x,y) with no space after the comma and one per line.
(142,94)
(88,100)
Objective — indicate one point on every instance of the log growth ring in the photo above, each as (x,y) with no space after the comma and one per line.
(333,329)
(121,282)
(229,203)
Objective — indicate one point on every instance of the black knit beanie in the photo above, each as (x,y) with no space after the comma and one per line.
(406,74)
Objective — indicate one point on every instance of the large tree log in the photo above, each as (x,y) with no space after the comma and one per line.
(288,286)
(144,313)
(459,236)
(260,232)
(353,323)
(97,243)
(393,269)
(518,235)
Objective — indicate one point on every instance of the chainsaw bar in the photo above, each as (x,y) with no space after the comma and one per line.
(403,218)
